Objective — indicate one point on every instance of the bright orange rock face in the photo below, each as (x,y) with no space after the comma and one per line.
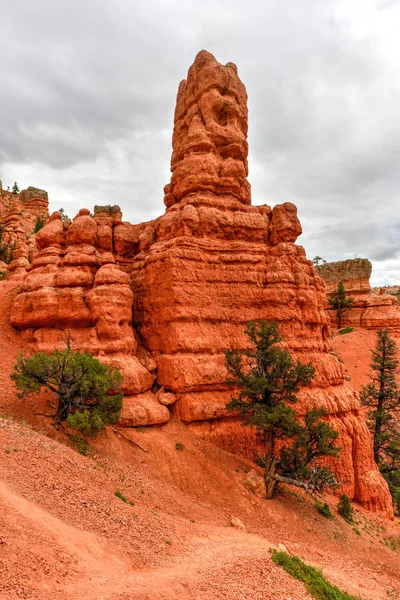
(368,310)
(75,285)
(199,273)
(216,262)
(18,215)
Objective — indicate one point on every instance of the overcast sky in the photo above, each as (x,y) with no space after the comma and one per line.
(88,91)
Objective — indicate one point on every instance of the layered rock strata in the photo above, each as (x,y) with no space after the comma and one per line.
(213,262)
(199,273)
(74,285)
(18,216)
(368,309)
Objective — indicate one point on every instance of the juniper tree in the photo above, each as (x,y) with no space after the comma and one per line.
(81,383)
(15,189)
(268,379)
(317,260)
(382,397)
(340,302)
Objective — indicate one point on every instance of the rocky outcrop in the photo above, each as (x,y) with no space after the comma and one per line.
(213,262)
(198,273)
(19,213)
(74,285)
(355,274)
(368,309)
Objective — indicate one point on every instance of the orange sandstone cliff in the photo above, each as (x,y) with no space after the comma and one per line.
(369,309)
(193,278)
(18,215)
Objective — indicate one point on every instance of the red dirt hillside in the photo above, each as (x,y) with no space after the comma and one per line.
(354,349)
(64,533)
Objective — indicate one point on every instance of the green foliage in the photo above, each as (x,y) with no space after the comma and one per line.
(38,224)
(345,508)
(6,250)
(2,275)
(317,259)
(81,382)
(179,446)
(80,444)
(346,330)
(323,509)
(120,495)
(64,217)
(316,584)
(340,303)
(15,188)
(316,439)
(267,380)
(382,397)
(396,499)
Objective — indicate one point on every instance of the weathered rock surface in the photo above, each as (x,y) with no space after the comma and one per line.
(213,262)
(369,309)
(18,216)
(75,285)
(199,273)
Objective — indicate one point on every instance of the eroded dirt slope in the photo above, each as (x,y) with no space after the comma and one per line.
(64,534)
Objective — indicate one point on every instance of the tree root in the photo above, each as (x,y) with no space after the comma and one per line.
(118,432)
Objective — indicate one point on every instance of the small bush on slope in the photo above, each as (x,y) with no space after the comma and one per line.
(315,582)
(346,330)
(345,509)
(81,383)
(323,509)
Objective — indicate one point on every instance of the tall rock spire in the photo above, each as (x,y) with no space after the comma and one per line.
(210,133)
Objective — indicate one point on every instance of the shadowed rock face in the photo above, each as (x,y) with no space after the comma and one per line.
(199,273)
(367,310)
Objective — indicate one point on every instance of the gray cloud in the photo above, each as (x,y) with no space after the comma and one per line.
(89,91)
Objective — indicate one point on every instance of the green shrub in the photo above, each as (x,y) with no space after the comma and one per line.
(345,509)
(39,224)
(316,584)
(89,395)
(2,275)
(120,495)
(396,499)
(346,330)
(323,509)
(80,444)
(179,446)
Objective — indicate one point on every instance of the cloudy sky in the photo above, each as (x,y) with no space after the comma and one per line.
(88,94)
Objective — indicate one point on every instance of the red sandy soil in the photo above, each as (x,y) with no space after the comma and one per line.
(64,535)
(354,350)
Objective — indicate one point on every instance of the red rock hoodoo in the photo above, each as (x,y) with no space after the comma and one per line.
(199,273)
(369,309)
(18,215)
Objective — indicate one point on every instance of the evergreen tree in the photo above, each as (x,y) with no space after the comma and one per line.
(340,302)
(317,260)
(268,379)
(382,397)
(39,224)
(15,189)
(64,217)
(81,383)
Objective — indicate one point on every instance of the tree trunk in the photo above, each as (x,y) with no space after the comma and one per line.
(270,465)
(380,409)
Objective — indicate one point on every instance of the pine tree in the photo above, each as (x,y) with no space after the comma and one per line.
(382,396)
(268,380)
(15,189)
(340,302)
(80,382)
